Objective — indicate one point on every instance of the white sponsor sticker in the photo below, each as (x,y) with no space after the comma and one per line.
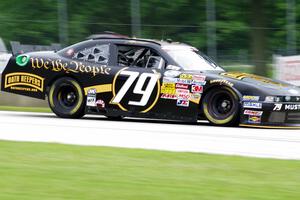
(253,112)
(92,91)
(100,103)
(252,105)
(184,96)
(91,97)
(182,86)
(183,103)
(182,91)
(199,78)
(169,80)
(250,98)
(91,101)
(197,89)
(168,96)
(184,81)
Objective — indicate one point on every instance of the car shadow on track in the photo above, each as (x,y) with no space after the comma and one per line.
(103,118)
(145,120)
(127,119)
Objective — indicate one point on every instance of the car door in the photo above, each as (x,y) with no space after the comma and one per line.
(136,85)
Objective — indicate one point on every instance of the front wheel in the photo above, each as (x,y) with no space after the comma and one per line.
(221,106)
(66,98)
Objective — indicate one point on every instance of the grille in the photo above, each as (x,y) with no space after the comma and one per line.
(277,117)
(293,117)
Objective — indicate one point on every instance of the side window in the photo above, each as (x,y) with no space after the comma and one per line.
(142,57)
(97,54)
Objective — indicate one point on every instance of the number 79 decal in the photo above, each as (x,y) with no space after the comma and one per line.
(138,88)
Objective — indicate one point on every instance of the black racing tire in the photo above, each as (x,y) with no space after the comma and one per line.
(221,106)
(66,98)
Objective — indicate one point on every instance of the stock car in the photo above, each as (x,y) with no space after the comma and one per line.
(118,76)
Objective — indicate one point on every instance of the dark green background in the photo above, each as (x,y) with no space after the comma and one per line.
(238,24)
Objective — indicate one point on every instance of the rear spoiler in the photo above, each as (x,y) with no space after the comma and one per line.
(18,48)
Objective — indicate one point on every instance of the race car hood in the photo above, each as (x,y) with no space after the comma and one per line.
(253,84)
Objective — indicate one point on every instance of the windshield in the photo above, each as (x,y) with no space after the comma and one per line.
(192,59)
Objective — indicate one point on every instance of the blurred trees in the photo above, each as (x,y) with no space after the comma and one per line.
(258,34)
(248,31)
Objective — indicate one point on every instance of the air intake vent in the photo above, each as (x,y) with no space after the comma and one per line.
(277,117)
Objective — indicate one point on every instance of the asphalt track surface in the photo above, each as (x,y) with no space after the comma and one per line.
(151,134)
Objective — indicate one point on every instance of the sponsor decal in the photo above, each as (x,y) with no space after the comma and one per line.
(146,85)
(254,119)
(24,82)
(292,107)
(277,107)
(168,85)
(222,82)
(22,60)
(195,98)
(250,98)
(199,82)
(169,80)
(197,89)
(184,81)
(92,91)
(91,98)
(241,76)
(67,67)
(168,88)
(182,102)
(186,76)
(182,91)
(168,91)
(288,107)
(252,105)
(168,96)
(253,112)
(100,88)
(182,86)
(185,96)
(100,104)
(199,78)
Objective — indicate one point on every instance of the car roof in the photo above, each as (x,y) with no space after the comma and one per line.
(126,39)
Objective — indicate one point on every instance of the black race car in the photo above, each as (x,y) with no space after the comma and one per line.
(118,76)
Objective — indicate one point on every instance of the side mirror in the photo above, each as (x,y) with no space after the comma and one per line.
(173,67)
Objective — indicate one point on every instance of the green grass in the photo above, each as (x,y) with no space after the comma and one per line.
(25,109)
(30,171)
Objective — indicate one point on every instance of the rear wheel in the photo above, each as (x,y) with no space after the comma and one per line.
(66,98)
(221,106)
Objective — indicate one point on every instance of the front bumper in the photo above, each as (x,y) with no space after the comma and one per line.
(270,115)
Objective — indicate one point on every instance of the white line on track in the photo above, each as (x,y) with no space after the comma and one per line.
(150,134)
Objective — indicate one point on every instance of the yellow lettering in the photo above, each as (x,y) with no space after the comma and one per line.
(95,70)
(39,63)
(88,69)
(107,70)
(46,64)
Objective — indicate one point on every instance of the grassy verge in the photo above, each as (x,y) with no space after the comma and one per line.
(24,109)
(52,171)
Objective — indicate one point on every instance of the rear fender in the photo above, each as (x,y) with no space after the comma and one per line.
(22,80)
